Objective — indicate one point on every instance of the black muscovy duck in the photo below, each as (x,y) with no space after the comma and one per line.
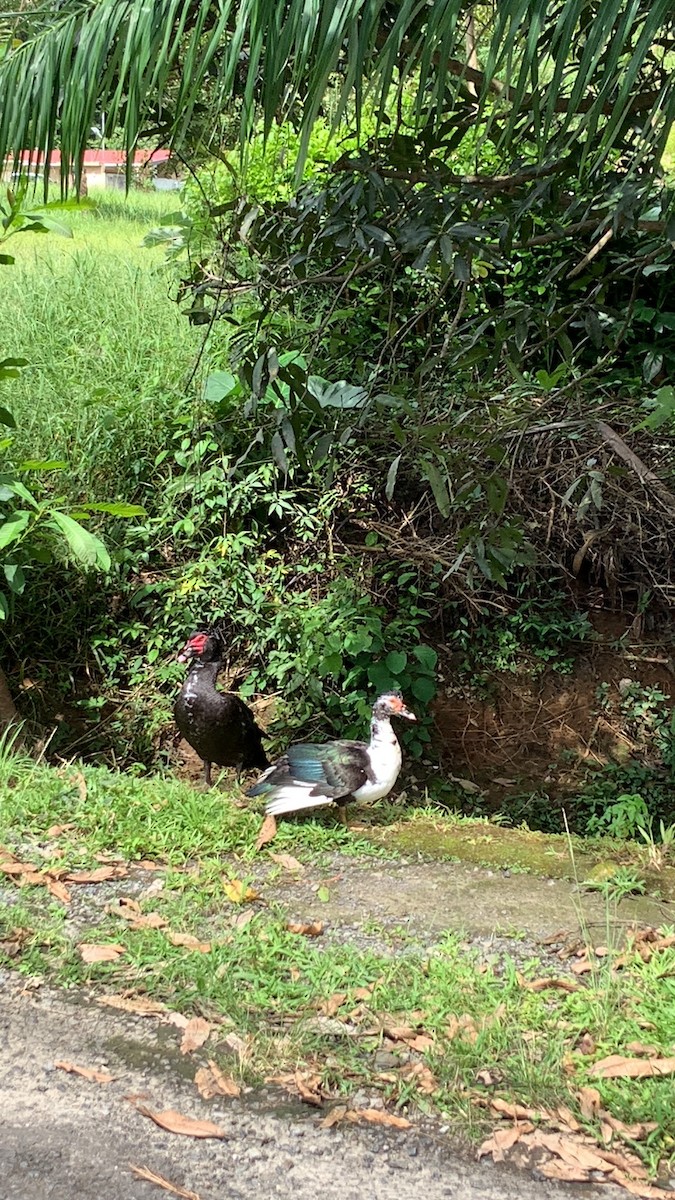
(310,775)
(218,725)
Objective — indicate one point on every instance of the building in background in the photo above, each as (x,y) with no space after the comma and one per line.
(102,169)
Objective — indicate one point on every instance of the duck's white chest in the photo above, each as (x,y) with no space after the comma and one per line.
(385,761)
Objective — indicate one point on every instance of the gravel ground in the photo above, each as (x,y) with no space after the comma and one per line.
(62,1136)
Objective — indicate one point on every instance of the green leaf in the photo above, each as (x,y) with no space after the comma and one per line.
(117,509)
(423,689)
(43,464)
(4,607)
(12,529)
(15,577)
(396,661)
(218,385)
(6,418)
(84,546)
(438,486)
(323,895)
(426,657)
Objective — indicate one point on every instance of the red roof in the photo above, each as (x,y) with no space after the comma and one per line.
(93,158)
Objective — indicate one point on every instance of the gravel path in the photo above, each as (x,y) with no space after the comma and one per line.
(63,1137)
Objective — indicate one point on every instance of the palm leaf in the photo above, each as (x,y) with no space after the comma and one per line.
(555,71)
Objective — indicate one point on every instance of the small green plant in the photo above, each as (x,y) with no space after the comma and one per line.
(622,819)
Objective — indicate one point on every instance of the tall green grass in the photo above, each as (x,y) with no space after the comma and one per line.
(109,352)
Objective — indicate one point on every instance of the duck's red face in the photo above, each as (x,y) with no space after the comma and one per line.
(194,647)
(392,706)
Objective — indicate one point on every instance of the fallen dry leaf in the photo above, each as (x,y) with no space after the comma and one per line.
(58,890)
(618,1067)
(79,779)
(237,891)
(586,1043)
(424,1079)
(542,985)
(567,1118)
(329,1007)
(502,1140)
(175,1122)
(572,1151)
(640,1048)
(189,942)
(96,954)
(647,1191)
(308,928)
(89,1073)
(195,1034)
(305,1084)
(565,1172)
(160,1181)
(336,1114)
(634,1133)
(287,862)
(140,1005)
(56,831)
(517,1112)
(12,867)
(147,864)
(268,831)
(377,1116)
(486,1078)
(100,875)
(151,920)
(211,1082)
(238,1045)
(464,1027)
(582,967)
(589,1102)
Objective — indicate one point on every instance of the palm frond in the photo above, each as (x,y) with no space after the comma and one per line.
(561,73)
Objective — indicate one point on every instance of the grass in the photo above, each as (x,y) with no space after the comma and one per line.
(273,987)
(108,352)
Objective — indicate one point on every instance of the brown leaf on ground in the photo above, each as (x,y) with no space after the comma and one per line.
(147,864)
(502,1140)
(241,919)
(305,1084)
(30,878)
(13,944)
(586,1044)
(287,862)
(211,1082)
(195,1034)
(424,1079)
(542,985)
(378,1116)
(486,1078)
(567,1118)
(365,993)
(175,1122)
(96,954)
(582,967)
(89,1073)
(308,928)
(336,1114)
(56,831)
(58,890)
(571,1150)
(238,1045)
(462,1027)
(79,779)
(517,1112)
(625,1162)
(647,1191)
(329,1007)
(151,920)
(140,1005)
(268,832)
(100,875)
(188,941)
(237,891)
(12,867)
(589,1102)
(618,1067)
(161,1182)
(567,1173)
(635,1133)
(640,1048)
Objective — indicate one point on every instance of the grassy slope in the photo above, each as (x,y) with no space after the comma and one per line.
(108,353)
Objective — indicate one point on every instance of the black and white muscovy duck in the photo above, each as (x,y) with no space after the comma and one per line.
(310,775)
(218,725)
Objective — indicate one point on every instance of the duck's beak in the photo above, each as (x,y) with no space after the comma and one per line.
(405,712)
